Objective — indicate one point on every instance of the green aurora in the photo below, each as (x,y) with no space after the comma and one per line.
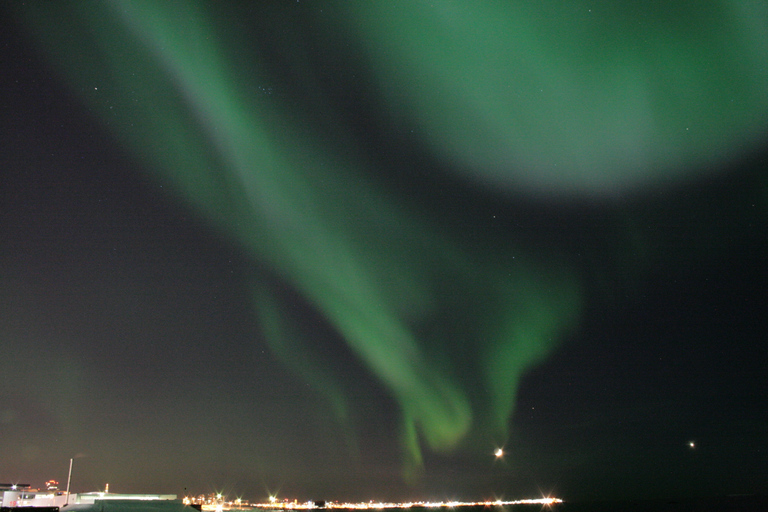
(585,100)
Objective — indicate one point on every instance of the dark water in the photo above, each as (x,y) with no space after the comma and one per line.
(721,504)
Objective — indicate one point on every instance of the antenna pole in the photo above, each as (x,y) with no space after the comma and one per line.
(69,479)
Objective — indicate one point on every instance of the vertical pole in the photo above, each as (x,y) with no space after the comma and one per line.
(69,479)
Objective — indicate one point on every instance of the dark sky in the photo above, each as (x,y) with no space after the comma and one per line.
(337,252)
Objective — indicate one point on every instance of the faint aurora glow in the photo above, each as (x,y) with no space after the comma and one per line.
(572,98)
(589,103)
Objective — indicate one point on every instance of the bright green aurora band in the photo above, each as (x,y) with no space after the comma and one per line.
(590,100)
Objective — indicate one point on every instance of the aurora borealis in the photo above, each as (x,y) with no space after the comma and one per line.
(408,207)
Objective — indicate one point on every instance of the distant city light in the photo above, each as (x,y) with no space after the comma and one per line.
(293,505)
(217,502)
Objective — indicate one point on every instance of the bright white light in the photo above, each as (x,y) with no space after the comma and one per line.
(499,453)
(407,505)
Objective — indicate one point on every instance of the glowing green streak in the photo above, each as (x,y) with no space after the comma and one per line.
(282,217)
(325,230)
(571,97)
(538,109)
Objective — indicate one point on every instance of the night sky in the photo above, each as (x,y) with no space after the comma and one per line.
(332,250)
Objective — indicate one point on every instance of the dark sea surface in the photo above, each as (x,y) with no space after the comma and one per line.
(724,504)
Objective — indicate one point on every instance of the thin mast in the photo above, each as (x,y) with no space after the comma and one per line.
(69,479)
